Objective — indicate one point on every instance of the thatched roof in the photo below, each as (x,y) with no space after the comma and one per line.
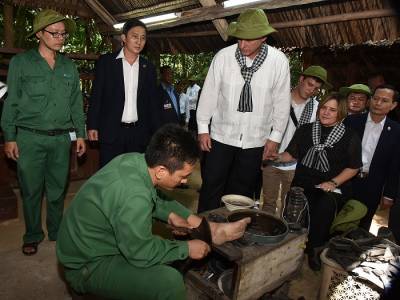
(202,25)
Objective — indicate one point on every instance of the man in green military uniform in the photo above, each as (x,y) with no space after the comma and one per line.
(105,241)
(42,114)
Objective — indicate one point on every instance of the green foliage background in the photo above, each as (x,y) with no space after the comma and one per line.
(87,39)
(187,66)
(296,66)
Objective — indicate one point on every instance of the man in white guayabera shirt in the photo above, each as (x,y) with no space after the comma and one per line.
(246,99)
(277,177)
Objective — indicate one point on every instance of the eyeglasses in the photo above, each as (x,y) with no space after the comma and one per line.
(58,35)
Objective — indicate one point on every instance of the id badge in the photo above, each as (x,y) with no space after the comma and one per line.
(72,135)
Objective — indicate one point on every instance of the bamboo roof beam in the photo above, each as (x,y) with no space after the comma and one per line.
(183,34)
(298,23)
(72,7)
(379,13)
(101,12)
(219,12)
(369,14)
(167,6)
(220,24)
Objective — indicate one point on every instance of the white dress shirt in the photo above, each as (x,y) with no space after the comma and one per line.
(183,103)
(131,76)
(220,96)
(3,89)
(370,140)
(192,93)
(291,128)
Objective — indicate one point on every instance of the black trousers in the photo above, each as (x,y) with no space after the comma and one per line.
(365,191)
(127,140)
(323,208)
(394,220)
(192,126)
(228,170)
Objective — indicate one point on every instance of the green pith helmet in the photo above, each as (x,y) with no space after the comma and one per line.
(349,216)
(320,73)
(47,17)
(251,24)
(355,88)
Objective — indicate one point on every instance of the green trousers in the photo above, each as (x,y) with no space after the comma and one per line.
(114,278)
(43,165)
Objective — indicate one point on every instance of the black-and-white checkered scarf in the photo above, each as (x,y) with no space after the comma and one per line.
(316,157)
(246,102)
(307,113)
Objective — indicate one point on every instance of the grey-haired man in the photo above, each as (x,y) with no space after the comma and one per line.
(247,95)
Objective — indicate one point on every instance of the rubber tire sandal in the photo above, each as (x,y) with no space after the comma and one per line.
(33,246)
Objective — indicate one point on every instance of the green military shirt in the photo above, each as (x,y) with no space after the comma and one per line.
(40,97)
(113,214)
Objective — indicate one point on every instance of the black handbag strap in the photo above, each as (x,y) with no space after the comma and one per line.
(293,116)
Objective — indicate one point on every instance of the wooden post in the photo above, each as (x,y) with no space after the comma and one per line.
(8,25)
(88,41)
(220,24)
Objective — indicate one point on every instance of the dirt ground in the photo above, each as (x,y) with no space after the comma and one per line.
(39,277)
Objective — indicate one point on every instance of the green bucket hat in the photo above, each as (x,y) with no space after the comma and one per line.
(318,72)
(355,88)
(349,216)
(251,24)
(47,17)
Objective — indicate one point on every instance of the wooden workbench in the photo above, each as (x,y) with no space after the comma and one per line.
(257,269)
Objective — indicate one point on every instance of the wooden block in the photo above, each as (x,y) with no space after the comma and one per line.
(267,272)
(258,269)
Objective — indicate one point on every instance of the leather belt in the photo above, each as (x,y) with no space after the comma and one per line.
(362,175)
(52,132)
(128,125)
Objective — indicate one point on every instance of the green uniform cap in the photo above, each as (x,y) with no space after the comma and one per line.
(251,24)
(355,88)
(47,17)
(349,216)
(318,72)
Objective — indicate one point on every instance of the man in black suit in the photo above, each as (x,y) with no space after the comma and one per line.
(123,112)
(170,110)
(377,181)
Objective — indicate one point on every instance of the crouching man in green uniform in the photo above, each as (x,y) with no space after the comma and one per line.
(42,113)
(105,241)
